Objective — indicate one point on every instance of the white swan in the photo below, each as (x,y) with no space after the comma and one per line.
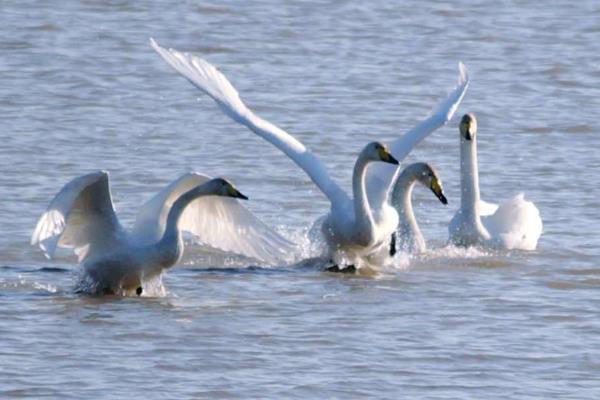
(82,217)
(360,225)
(408,236)
(515,224)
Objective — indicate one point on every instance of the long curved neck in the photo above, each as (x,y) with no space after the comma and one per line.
(170,245)
(362,211)
(179,206)
(469,179)
(410,236)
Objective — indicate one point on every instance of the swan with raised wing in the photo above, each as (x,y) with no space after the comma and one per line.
(82,217)
(360,225)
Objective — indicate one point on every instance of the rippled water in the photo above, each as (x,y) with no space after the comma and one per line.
(82,90)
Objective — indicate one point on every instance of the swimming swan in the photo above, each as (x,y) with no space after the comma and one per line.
(82,217)
(515,224)
(408,236)
(361,224)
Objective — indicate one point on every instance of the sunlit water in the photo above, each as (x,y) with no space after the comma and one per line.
(82,90)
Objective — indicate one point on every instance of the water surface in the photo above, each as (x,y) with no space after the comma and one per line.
(82,90)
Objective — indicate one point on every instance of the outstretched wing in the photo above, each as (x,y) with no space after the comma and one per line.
(381,175)
(80,217)
(219,222)
(212,82)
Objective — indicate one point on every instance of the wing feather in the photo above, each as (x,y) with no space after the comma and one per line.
(80,217)
(380,176)
(219,222)
(212,82)
(151,219)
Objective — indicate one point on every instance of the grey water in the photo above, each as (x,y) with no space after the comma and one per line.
(81,90)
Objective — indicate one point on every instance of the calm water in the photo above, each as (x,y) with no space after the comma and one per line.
(82,90)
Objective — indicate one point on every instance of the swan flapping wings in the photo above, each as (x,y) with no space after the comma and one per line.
(207,78)
(82,217)
(218,222)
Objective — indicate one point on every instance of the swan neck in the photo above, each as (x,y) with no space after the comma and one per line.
(171,243)
(176,211)
(363,215)
(408,229)
(469,177)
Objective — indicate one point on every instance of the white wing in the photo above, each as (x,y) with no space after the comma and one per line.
(212,82)
(151,219)
(80,217)
(486,208)
(381,175)
(219,222)
(516,224)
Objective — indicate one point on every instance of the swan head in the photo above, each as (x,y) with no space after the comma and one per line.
(428,177)
(376,151)
(468,127)
(222,187)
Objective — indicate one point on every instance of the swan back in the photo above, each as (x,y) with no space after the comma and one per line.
(516,224)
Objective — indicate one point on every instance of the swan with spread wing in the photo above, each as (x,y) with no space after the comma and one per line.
(514,224)
(360,225)
(82,217)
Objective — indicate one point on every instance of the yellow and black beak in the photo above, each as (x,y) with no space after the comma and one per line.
(386,156)
(436,188)
(468,126)
(468,134)
(240,195)
(233,192)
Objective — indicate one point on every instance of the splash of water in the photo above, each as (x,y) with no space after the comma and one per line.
(150,288)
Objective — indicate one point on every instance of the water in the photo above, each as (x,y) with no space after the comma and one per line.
(82,90)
